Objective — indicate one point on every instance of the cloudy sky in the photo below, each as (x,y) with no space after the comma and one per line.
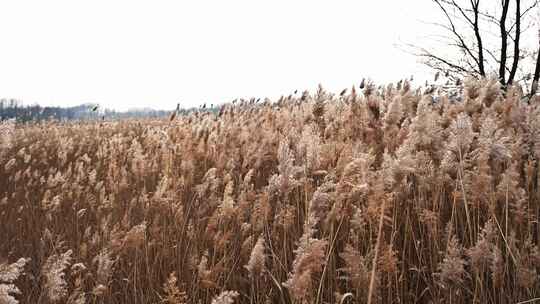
(130,53)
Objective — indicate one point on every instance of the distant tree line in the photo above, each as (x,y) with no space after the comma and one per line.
(12,108)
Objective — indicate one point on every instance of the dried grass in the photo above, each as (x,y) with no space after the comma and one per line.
(380,194)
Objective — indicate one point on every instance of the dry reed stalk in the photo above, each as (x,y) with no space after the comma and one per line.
(376,256)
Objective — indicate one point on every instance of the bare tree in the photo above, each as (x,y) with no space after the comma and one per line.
(534,85)
(486,37)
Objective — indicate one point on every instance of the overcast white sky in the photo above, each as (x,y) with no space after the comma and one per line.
(129,53)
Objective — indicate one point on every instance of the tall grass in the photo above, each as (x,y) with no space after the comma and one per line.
(380,195)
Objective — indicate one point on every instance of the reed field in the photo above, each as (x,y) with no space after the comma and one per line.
(372,195)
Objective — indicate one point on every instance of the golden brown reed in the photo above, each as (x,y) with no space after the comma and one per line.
(376,194)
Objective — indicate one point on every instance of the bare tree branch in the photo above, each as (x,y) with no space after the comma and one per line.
(446,62)
(475,4)
(489,17)
(460,9)
(497,60)
(535,4)
(460,38)
(486,39)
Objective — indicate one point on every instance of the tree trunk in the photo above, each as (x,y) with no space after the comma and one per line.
(504,43)
(516,44)
(536,76)
(476,28)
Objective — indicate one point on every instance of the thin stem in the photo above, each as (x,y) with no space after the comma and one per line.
(375,258)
